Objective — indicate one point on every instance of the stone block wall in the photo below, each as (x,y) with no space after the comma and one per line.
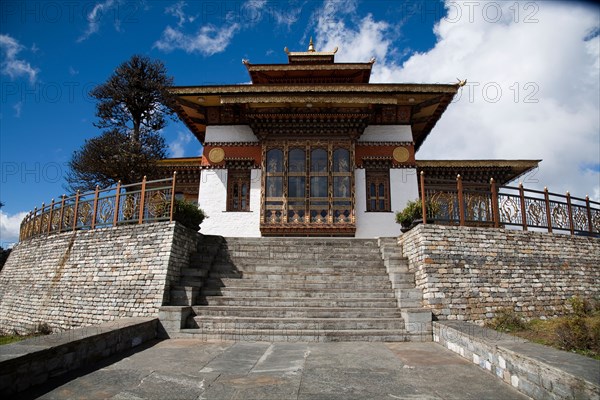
(471,273)
(83,278)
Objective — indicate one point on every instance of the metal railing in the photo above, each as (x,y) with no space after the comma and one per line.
(473,204)
(137,203)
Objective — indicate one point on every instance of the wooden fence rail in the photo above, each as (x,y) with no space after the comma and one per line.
(137,203)
(473,204)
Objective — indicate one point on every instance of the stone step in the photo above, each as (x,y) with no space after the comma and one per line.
(299,293)
(298,284)
(300,241)
(308,261)
(295,252)
(195,272)
(295,335)
(298,312)
(308,277)
(245,323)
(191,282)
(325,270)
(299,302)
(184,295)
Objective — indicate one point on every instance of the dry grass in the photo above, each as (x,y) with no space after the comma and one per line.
(578,332)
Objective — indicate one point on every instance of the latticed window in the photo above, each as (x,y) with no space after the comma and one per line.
(378,190)
(308,183)
(238,190)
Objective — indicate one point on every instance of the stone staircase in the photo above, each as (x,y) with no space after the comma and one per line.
(297,289)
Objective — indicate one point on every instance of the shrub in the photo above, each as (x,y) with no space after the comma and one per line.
(572,333)
(579,306)
(506,320)
(188,214)
(43,329)
(414,211)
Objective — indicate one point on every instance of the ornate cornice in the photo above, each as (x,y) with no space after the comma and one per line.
(384,144)
(268,98)
(231,144)
(318,88)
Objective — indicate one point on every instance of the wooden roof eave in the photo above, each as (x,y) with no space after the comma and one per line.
(434,118)
(517,167)
(192,126)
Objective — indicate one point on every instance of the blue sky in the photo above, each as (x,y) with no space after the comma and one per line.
(532,69)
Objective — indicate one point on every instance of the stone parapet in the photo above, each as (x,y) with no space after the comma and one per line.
(537,371)
(33,361)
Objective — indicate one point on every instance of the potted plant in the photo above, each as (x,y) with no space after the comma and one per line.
(412,214)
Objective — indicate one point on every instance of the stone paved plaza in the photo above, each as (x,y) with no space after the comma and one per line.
(191,369)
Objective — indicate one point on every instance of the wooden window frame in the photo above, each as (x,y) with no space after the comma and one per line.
(378,176)
(239,177)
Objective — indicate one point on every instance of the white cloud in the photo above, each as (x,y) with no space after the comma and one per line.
(10,225)
(177,147)
(10,64)
(18,107)
(95,16)
(176,10)
(532,87)
(208,40)
(211,39)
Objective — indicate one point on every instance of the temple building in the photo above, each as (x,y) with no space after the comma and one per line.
(311,148)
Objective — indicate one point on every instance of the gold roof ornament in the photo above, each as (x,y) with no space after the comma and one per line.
(461,83)
(311,46)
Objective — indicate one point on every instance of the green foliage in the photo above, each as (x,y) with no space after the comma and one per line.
(188,214)
(507,320)
(578,332)
(135,99)
(572,333)
(3,256)
(414,211)
(132,106)
(43,329)
(112,156)
(582,307)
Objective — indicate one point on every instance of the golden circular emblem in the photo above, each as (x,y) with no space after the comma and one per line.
(401,154)
(216,155)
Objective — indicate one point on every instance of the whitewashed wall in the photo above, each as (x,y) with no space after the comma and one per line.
(387,133)
(213,200)
(230,134)
(403,188)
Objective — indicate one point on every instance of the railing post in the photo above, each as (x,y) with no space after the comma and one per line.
(117,203)
(50,216)
(76,210)
(41,228)
(523,210)
(33,221)
(589,214)
(495,206)
(142,200)
(570,210)
(62,213)
(95,207)
(172,197)
(548,215)
(423,199)
(461,205)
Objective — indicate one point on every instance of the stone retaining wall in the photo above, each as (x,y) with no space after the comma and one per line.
(471,273)
(537,371)
(33,361)
(82,278)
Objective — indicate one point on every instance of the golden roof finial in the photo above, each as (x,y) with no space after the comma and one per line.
(311,47)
